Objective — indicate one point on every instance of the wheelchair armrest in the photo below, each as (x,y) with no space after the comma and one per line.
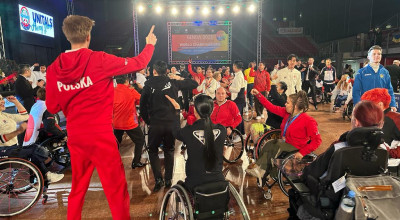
(301,188)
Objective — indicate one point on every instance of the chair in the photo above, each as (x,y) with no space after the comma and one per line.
(361,157)
(215,200)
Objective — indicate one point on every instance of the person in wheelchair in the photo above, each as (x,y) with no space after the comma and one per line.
(391,127)
(299,132)
(365,114)
(8,140)
(341,93)
(41,123)
(277,97)
(204,141)
(226,112)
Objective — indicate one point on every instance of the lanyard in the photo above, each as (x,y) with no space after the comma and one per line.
(288,123)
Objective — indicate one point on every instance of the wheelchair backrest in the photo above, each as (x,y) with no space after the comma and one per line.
(361,157)
(211,200)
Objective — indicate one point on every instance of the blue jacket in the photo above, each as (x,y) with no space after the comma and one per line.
(366,79)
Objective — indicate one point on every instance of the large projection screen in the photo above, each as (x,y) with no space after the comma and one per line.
(204,42)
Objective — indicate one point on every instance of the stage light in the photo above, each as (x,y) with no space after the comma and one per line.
(236,9)
(205,11)
(140,8)
(174,11)
(189,11)
(251,8)
(220,11)
(158,9)
(285,19)
(213,23)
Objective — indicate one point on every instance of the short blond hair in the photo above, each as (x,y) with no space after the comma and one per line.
(76,28)
(375,47)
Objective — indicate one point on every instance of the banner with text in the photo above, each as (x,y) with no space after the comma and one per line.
(35,21)
(290,30)
(204,44)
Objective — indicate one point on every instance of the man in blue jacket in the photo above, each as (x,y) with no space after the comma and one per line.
(372,76)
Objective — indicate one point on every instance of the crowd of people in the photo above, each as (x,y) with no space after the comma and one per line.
(212,100)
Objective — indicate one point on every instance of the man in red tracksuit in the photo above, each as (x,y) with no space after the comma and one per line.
(262,83)
(79,83)
(225,111)
(125,118)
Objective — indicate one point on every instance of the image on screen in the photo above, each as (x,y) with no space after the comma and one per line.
(202,42)
(36,22)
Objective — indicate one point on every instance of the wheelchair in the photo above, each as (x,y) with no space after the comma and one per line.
(348,111)
(58,149)
(215,200)
(250,145)
(233,147)
(21,186)
(361,157)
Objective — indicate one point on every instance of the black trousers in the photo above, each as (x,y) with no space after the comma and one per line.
(136,135)
(161,134)
(259,107)
(310,85)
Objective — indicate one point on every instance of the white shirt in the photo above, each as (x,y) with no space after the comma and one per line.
(292,78)
(210,89)
(237,84)
(140,78)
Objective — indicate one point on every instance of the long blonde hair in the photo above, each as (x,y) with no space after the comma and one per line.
(343,84)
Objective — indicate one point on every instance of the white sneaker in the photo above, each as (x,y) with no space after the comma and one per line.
(54,177)
(258,118)
(262,116)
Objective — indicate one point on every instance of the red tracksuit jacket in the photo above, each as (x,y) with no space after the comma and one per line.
(124,109)
(302,133)
(80,83)
(262,81)
(226,114)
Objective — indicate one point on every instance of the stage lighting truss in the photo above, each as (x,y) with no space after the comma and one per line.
(191,8)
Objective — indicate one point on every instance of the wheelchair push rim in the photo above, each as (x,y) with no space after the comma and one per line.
(233,147)
(21,185)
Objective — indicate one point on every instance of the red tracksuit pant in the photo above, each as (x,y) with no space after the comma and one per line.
(100,151)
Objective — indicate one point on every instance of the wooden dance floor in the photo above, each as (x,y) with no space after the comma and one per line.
(146,205)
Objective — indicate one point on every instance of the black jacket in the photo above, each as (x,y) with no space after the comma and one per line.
(155,108)
(275,98)
(192,136)
(24,91)
(394,72)
(312,74)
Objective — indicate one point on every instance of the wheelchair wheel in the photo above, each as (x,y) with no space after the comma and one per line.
(292,169)
(233,147)
(58,150)
(176,204)
(21,185)
(349,110)
(237,207)
(270,135)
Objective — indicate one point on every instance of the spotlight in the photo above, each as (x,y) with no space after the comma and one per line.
(158,9)
(236,9)
(174,11)
(205,11)
(285,19)
(189,11)
(220,11)
(251,8)
(140,8)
